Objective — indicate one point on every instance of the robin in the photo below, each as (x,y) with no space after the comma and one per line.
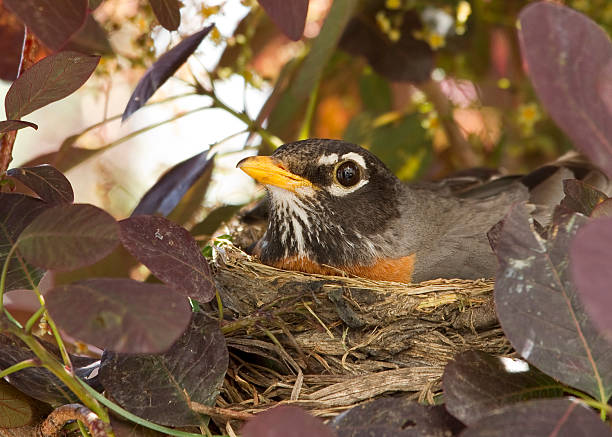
(335,207)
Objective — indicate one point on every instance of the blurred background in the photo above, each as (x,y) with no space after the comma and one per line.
(431,87)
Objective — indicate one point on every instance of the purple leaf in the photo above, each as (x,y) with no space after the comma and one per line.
(16,212)
(171,253)
(286,421)
(162,69)
(91,39)
(161,387)
(52,21)
(476,383)
(47,81)
(9,125)
(46,181)
(167,192)
(590,255)
(66,237)
(538,306)
(541,417)
(288,15)
(569,80)
(120,314)
(581,197)
(167,12)
(396,417)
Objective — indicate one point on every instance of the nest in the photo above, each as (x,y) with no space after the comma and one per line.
(328,343)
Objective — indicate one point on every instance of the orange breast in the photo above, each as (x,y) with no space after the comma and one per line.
(395,269)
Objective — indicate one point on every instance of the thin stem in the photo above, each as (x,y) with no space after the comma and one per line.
(11,318)
(312,104)
(272,140)
(219,305)
(604,409)
(148,128)
(115,117)
(33,319)
(54,330)
(19,366)
(4,274)
(50,362)
(132,417)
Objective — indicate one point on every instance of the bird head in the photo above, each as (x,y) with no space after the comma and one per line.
(327,198)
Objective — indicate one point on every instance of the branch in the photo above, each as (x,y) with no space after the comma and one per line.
(53,424)
(29,53)
(460,146)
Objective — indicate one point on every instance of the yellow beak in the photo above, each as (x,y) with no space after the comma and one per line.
(269,171)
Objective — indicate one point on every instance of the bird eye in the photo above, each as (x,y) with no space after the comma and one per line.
(348,173)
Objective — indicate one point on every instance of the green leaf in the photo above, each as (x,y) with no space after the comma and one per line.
(282,120)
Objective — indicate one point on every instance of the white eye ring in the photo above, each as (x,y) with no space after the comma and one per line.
(338,189)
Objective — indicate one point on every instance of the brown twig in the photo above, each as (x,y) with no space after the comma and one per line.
(54,423)
(29,53)
(224,413)
(460,146)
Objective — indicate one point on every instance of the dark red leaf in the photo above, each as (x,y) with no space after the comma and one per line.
(66,237)
(168,12)
(590,255)
(91,39)
(47,81)
(539,309)
(15,408)
(476,383)
(93,4)
(9,125)
(391,417)
(11,42)
(46,181)
(161,387)
(167,192)
(52,21)
(408,59)
(541,417)
(569,80)
(120,314)
(171,253)
(581,197)
(38,382)
(162,69)
(289,15)
(286,421)
(16,212)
